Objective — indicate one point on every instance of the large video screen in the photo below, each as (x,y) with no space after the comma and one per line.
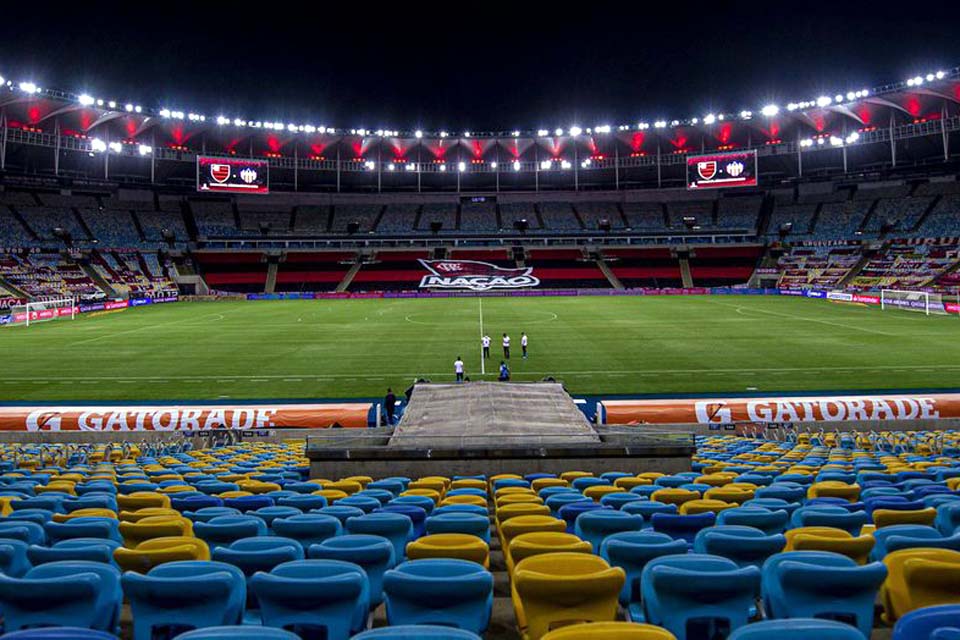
(231,175)
(718,170)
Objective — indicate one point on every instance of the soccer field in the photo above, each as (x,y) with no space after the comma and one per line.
(596,345)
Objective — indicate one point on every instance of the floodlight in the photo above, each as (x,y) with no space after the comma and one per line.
(543,133)
(461,166)
(145,149)
(98,145)
(709,119)
(116,147)
(824,101)
(28,87)
(575,130)
(85,100)
(418,133)
(493,165)
(516,165)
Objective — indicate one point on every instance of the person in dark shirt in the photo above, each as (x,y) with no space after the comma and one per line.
(504,372)
(390,405)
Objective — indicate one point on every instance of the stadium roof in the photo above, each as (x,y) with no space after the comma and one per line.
(107,124)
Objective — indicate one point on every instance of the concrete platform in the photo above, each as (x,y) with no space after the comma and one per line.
(483,414)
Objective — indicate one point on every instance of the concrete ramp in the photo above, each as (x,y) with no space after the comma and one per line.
(492,414)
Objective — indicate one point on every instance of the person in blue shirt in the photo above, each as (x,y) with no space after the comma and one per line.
(504,372)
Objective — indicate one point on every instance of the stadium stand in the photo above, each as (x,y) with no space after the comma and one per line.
(365,216)
(638,268)
(559,216)
(445,214)
(214,218)
(399,218)
(699,214)
(255,217)
(311,219)
(478,217)
(241,271)
(593,213)
(644,216)
(313,271)
(390,270)
(565,268)
(905,266)
(739,212)
(513,212)
(815,267)
(723,266)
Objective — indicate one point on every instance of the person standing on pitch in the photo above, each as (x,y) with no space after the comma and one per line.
(506,347)
(390,405)
(523,344)
(458,369)
(504,372)
(485,341)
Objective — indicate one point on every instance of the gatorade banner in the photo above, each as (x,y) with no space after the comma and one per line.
(184,418)
(783,410)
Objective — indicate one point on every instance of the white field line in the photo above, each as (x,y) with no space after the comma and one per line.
(740,309)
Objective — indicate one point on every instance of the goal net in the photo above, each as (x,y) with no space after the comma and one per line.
(919,301)
(34,312)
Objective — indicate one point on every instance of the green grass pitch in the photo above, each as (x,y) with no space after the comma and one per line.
(357,348)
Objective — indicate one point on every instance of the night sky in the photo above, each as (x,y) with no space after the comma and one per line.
(472,65)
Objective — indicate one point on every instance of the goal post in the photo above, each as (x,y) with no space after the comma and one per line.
(34,312)
(917,301)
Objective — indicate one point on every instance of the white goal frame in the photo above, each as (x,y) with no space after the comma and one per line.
(886,295)
(57,303)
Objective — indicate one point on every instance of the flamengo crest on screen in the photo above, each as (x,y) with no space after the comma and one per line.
(472,275)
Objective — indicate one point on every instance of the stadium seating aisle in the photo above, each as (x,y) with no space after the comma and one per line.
(815,527)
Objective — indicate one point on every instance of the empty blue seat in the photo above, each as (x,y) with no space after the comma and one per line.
(948,518)
(908,536)
(47,501)
(564,497)
(328,595)
(248,503)
(269,514)
(617,500)
(340,513)
(194,503)
(29,532)
(395,527)
(821,584)
(186,595)
(417,515)
(584,483)
(239,632)
(631,551)
(382,495)
(504,483)
(647,508)
(94,500)
(262,553)
(364,503)
(461,508)
(797,629)
(40,516)
(467,491)
(830,516)
(206,514)
(14,557)
(672,482)
(774,504)
(224,530)
(682,527)
(469,523)
(60,633)
(424,502)
(393,486)
(684,593)
(88,549)
(308,528)
(448,592)
(766,520)
(374,554)
(570,512)
(747,546)
(83,527)
(594,526)
(922,624)
(72,593)
(547,492)
(214,487)
(303,502)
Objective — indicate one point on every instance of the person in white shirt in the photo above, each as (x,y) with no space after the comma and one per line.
(523,344)
(458,368)
(485,341)
(506,347)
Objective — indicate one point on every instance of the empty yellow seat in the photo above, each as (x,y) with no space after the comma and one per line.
(234,494)
(610,631)
(363,481)
(151,553)
(513,491)
(830,539)
(176,488)
(598,491)
(536,543)
(517,498)
(834,489)
(257,487)
(5,506)
(570,476)
(428,493)
(729,493)
(148,512)
(508,511)
(85,513)
(626,484)
(469,483)
(886,517)
(450,545)
(134,533)
(694,507)
(557,588)
(142,499)
(437,483)
(716,479)
(528,524)
(543,483)
(349,487)
(476,500)
(54,485)
(651,475)
(332,495)
(674,496)
(918,578)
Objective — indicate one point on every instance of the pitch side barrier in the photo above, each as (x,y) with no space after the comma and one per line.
(88,307)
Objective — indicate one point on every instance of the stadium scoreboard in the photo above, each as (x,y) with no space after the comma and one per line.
(232,175)
(719,170)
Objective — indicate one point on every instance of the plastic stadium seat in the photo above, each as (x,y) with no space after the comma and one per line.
(248,503)
(193,503)
(141,499)
(618,499)
(559,500)
(910,536)
(647,508)
(477,500)
(207,514)
(682,527)
(560,587)
(887,517)
(308,528)
(365,504)
(918,578)
(416,632)
(341,513)
(828,516)
(224,530)
(148,512)
(747,546)
(249,632)
(834,489)
(417,514)
(771,522)
(948,518)
(528,524)
(395,527)
(154,527)
(29,532)
(472,524)
(183,596)
(716,507)
(303,502)
(631,551)
(374,554)
(526,545)
(427,504)
(39,516)
(454,593)
(88,549)
(60,633)
(262,553)
(830,539)
(609,631)
(84,527)
(797,629)
(629,483)
(157,551)
(921,624)
(674,496)
(14,557)
(461,546)
(570,512)
(683,593)
(73,593)
(314,594)
(594,526)
(820,584)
